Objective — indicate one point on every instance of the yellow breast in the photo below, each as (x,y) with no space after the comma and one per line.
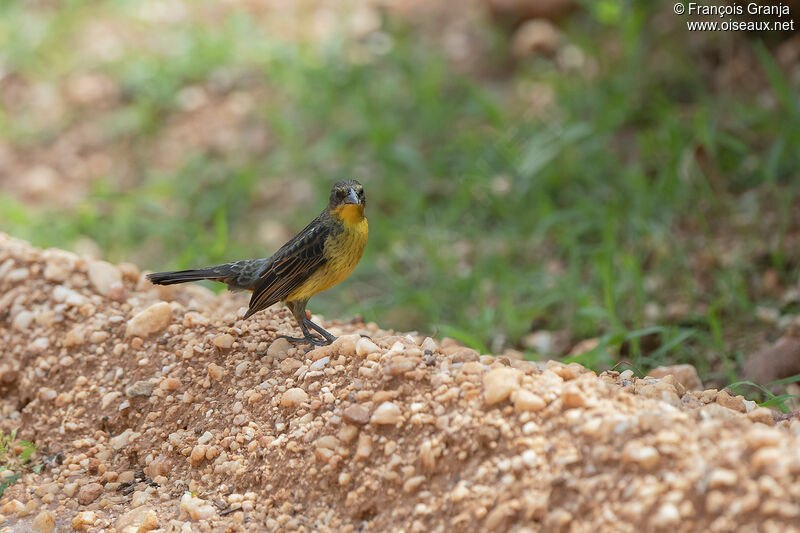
(342,251)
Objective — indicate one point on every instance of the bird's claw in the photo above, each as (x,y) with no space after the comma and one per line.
(314,341)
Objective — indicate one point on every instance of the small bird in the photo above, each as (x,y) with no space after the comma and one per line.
(323,254)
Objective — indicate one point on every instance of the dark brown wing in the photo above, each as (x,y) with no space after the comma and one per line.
(290,266)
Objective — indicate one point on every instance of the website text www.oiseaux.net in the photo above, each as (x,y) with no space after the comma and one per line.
(780,11)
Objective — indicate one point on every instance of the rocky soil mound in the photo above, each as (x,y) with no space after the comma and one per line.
(159,409)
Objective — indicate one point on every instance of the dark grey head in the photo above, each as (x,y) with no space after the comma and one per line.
(347,192)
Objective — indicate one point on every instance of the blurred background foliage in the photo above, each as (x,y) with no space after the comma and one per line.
(591,182)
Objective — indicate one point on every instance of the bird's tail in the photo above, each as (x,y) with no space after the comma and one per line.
(183,276)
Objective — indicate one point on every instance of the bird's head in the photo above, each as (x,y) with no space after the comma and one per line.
(347,201)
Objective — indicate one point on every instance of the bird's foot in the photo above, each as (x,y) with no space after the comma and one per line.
(314,341)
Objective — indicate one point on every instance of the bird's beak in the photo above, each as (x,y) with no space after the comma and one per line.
(352,198)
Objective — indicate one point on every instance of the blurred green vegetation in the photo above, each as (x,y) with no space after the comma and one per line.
(488,220)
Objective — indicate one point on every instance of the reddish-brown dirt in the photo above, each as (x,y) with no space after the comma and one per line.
(162,410)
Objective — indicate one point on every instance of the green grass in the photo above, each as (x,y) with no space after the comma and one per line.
(487,221)
(15,454)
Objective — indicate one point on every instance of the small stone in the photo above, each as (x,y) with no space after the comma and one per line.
(667,515)
(500,383)
(84,520)
(365,347)
(198,454)
(735,403)
(464,355)
(13,507)
(749,405)
(211,452)
(428,345)
(170,384)
(766,458)
(324,455)
(356,414)
(196,508)
(23,320)
(565,372)
(108,398)
(152,320)
(99,336)
(661,390)
(685,374)
(18,274)
(194,319)
(89,493)
(47,394)
(398,366)
(69,489)
(160,466)
(762,415)
(572,397)
(708,396)
(44,522)
(116,292)
(215,371)
(524,400)
(63,399)
(224,341)
(68,296)
(396,349)
(74,337)
(140,388)
(529,458)
(328,442)
(498,519)
(139,498)
(472,367)
(129,271)
(59,264)
(347,433)
(721,478)
(762,437)
(715,410)
(294,397)
(8,375)
(644,456)
(346,344)
(241,369)
(103,275)
(123,439)
(290,365)
(364,447)
(387,413)
(279,349)
(319,364)
(139,519)
(412,484)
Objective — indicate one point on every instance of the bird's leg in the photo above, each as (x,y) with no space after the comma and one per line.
(319,329)
(307,338)
(298,309)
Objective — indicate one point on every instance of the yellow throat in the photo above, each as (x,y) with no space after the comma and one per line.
(350,213)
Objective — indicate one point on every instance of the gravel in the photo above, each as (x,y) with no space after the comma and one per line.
(164,411)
